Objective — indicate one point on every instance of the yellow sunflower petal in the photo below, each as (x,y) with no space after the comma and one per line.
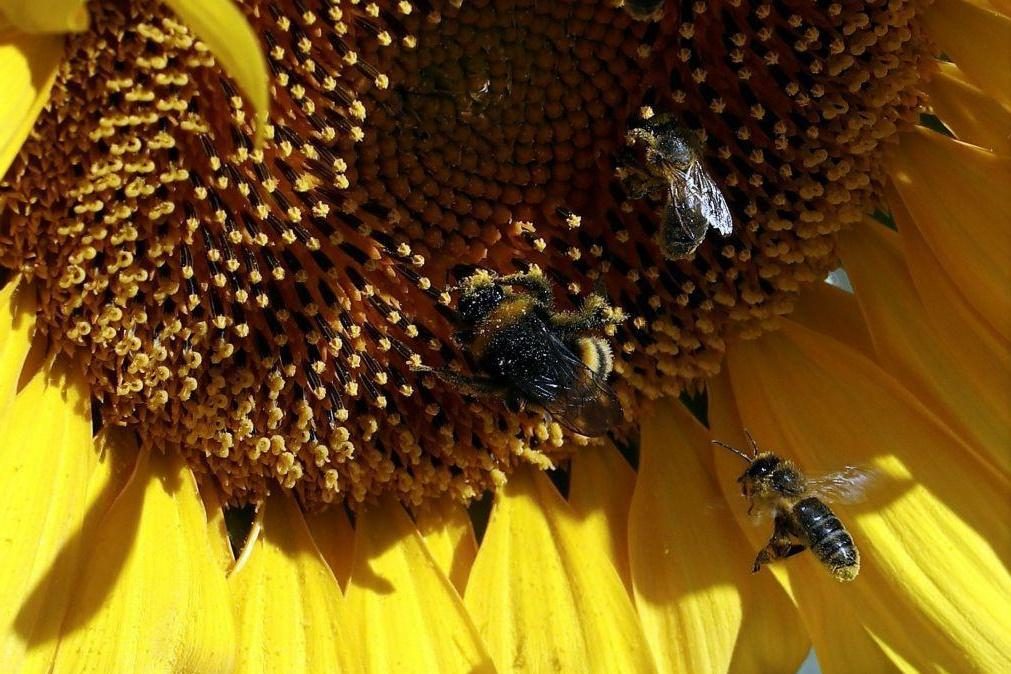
(962,382)
(332,532)
(691,568)
(52,16)
(17,327)
(223,27)
(933,583)
(976,38)
(822,304)
(600,495)
(46,461)
(287,603)
(832,622)
(28,65)
(151,597)
(958,196)
(940,296)
(543,600)
(972,115)
(1000,6)
(448,533)
(404,614)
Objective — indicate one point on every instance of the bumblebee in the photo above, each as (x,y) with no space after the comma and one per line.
(644,10)
(801,519)
(663,162)
(527,353)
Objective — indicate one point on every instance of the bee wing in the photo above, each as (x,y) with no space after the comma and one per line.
(847,486)
(705,196)
(588,406)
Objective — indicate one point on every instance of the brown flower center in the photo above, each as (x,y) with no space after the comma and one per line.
(259,311)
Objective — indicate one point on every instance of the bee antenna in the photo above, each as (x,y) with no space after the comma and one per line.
(734,450)
(751,441)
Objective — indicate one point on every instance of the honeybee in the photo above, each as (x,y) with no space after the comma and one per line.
(664,163)
(801,518)
(644,10)
(527,353)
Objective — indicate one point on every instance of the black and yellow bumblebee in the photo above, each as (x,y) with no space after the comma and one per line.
(528,353)
(801,519)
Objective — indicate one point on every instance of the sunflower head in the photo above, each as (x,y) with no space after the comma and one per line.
(289,299)
(264,308)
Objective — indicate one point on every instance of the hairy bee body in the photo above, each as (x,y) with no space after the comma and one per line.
(801,519)
(527,353)
(828,539)
(509,344)
(663,162)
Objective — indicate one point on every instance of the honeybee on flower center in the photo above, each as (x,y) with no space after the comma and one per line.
(663,162)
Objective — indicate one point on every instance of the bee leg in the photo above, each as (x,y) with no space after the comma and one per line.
(476,386)
(780,546)
(595,314)
(532,280)
(793,550)
(776,549)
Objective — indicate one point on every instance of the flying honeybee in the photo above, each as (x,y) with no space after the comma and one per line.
(801,518)
(527,353)
(644,10)
(663,162)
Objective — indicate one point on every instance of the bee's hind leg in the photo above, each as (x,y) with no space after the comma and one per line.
(595,314)
(780,546)
(472,385)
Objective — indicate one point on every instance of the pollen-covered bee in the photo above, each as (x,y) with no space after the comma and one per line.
(527,353)
(663,162)
(801,518)
(644,10)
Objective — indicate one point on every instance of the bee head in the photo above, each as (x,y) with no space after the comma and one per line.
(757,480)
(480,295)
(665,141)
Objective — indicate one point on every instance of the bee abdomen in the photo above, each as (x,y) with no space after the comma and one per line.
(828,538)
(596,355)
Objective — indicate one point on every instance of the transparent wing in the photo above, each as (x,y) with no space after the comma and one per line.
(846,486)
(586,405)
(706,197)
(589,407)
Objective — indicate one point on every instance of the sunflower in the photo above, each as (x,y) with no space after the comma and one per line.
(231,233)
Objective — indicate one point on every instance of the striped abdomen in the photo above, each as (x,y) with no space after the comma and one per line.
(827,538)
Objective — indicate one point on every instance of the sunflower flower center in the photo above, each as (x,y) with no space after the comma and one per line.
(261,310)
